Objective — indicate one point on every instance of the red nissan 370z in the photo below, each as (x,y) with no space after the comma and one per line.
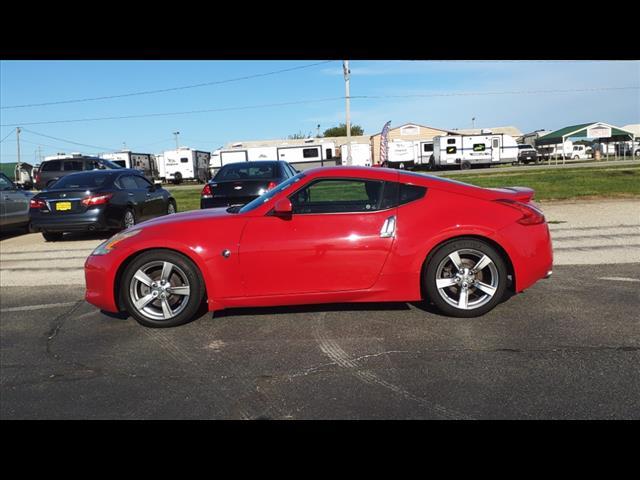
(327,235)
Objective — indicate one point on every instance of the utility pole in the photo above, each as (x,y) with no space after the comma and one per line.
(473,122)
(18,166)
(176,135)
(318,134)
(347,72)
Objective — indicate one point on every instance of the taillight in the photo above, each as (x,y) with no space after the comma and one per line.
(272,185)
(96,199)
(530,214)
(207,192)
(37,203)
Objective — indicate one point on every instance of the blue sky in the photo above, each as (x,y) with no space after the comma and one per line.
(28,82)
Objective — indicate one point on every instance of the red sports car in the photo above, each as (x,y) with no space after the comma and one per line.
(327,235)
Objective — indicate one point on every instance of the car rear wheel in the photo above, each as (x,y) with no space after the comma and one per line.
(161,288)
(52,236)
(466,278)
(129,219)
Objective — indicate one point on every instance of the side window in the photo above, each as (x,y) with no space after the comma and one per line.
(73,165)
(409,193)
(451,141)
(428,147)
(127,182)
(329,154)
(53,166)
(396,194)
(141,182)
(336,196)
(310,153)
(496,143)
(184,160)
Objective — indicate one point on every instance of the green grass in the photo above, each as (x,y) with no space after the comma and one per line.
(566,184)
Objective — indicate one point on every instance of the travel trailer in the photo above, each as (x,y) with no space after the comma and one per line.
(183,164)
(145,162)
(360,154)
(401,154)
(464,151)
(311,153)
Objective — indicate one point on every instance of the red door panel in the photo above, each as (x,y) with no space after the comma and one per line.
(313,252)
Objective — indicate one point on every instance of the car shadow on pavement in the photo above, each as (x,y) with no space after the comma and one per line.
(7,233)
(77,236)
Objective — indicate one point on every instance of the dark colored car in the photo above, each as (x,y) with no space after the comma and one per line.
(527,154)
(14,204)
(52,170)
(239,183)
(98,200)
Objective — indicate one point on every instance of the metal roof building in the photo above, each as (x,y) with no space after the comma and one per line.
(596,130)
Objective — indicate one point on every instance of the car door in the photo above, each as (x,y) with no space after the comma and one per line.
(154,203)
(136,195)
(14,203)
(337,239)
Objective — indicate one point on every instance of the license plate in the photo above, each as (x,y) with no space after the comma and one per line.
(63,206)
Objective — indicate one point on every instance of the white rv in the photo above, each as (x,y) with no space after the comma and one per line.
(139,161)
(402,154)
(360,154)
(463,151)
(312,153)
(183,164)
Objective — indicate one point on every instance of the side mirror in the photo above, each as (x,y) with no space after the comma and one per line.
(283,208)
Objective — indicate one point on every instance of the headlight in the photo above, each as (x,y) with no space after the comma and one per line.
(107,246)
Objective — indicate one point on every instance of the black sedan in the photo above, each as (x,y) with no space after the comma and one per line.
(239,183)
(98,200)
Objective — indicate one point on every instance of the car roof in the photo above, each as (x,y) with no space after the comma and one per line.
(255,162)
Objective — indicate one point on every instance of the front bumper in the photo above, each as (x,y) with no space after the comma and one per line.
(99,277)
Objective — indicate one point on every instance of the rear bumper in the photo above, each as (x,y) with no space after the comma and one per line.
(90,220)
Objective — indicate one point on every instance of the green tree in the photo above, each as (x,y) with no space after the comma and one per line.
(299,136)
(341,131)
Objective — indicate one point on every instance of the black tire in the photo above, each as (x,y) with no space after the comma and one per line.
(177,178)
(125,218)
(430,274)
(196,286)
(465,165)
(171,203)
(52,236)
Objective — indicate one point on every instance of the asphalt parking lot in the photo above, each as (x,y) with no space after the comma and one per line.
(568,348)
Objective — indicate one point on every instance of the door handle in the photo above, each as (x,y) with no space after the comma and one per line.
(388,229)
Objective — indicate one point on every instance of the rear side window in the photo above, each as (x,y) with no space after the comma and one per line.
(127,182)
(73,165)
(53,166)
(142,182)
(396,194)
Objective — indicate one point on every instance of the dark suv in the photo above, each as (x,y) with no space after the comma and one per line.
(52,170)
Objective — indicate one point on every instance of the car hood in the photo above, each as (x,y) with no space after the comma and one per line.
(194,215)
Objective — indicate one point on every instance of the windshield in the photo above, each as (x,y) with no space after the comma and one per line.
(107,164)
(265,197)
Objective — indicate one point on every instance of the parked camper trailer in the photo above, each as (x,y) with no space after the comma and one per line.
(464,151)
(144,162)
(402,154)
(360,154)
(312,154)
(183,164)
(425,151)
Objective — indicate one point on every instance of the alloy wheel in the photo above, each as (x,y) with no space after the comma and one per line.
(159,290)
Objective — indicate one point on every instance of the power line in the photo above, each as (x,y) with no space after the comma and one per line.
(301,102)
(69,141)
(164,90)
(225,109)
(7,135)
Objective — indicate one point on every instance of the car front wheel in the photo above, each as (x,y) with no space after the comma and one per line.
(466,278)
(161,288)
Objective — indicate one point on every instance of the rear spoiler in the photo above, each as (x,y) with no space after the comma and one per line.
(519,194)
